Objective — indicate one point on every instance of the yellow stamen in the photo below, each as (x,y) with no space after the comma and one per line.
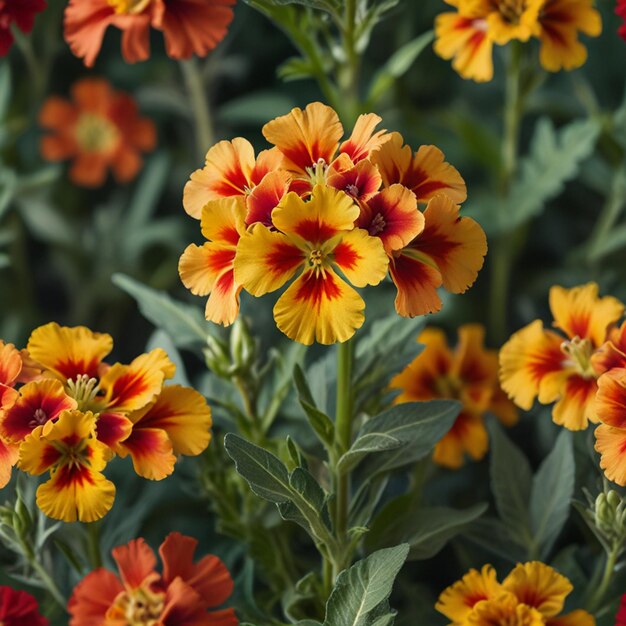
(141,607)
(512,10)
(129,6)
(96,134)
(579,352)
(84,390)
(448,387)
(316,258)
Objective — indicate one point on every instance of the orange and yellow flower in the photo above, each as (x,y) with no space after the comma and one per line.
(189,27)
(533,594)
(313,237)
(185,593)
(100,129)
(539,363)
(468,374)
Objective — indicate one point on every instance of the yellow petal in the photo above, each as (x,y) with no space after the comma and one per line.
(361,258)
(223,220)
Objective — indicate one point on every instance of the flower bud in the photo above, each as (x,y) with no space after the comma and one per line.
(216,357)
(242,346)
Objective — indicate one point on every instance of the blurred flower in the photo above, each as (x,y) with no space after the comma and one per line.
(468,374)
(179,596)
(69,450)
(100,129)
(620,618)
(189,26)
(209,269)
(467,35)
(313,236)
(541,363)
(620,9)
(22,14)
(533,594)
(18,608)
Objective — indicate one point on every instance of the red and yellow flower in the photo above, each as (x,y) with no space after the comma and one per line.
(539,363)
(100,129)
(313,237)
(22,14)
(189,26)
(18,608)
(185,593)
(468,374)
(533,594)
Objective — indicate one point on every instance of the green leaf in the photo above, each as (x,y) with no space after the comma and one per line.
(321,423)
(555,157)
(494,536)
(511,483)
(147,192)
(5,88)
(182,322)
(332,6)
(312,495)
(417,425)
(398,64)
(361,593)
(365,445)
(552,493)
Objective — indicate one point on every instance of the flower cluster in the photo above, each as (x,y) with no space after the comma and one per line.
(312,206)
(22,14)
(67,412)
(18,608)
(533,594)
(180,595)
(468,35)
(469,373)
(100,129)
(189,27)
(583,372)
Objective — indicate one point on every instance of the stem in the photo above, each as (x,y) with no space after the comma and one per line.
(43,576)
(502,256)
(603,587)
(349,80)
(199,104)
(93,545)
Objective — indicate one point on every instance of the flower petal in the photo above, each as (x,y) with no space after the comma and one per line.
(222,220)
(200,266)
(135,561)
(361,181)
(92,597)
(266,196)
(363,138)
(9,454)
(417,285)
(576,406)
(151,452)
(611,444)
(111,428)
(610,405)
(361,258)
(10,363)
(467,435)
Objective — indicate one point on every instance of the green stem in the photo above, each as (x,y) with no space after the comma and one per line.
(502,257)
(598,596)
(199,104)
(349,79)
(43,575)
(93,545)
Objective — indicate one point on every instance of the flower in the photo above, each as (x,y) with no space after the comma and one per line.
(69,450)
(18,608)
(100,129)
(533,594)
(179,596)
(620,618)
(22,14)
(312,236)
(620,9)
(541,363)
(469,374)
(189,26)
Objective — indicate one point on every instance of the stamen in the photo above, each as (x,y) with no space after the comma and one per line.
(317,172)
(579,352)
(512,10)
(126,7)
(141,607)
(316,258)
(352,190)
(95,133)
(84,390)
(377,225)
(40,417)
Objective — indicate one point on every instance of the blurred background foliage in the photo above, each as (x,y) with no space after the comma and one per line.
(61,245)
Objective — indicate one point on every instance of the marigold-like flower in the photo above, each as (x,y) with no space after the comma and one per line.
(100,129)
(533,594)
(468,374)
(189,26)
(313,237)
(69,450)
(182,595)
(22,14)
(541,363)
(18,608)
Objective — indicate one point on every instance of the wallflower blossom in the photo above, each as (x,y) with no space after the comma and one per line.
(541,363)
(100,129)
(183,594)
(18,608)
(189,26)
(620,9)
(533,594)
(22,14)
(469,373)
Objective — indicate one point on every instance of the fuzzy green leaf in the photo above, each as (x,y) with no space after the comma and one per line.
(321,423)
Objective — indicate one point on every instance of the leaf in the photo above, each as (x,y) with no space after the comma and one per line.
(5,88)
(147,192)
(397,65)
(312,494)
(182,322)
(417,425)
(361,593)
(365,445)
(332,6)
(321,423)
(511,483)
(265,473)
(255,108)
(552,493)
(494,536)
(555,157)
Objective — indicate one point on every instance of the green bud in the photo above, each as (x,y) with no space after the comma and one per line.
(613,499)
(216,357)
(22,512)
(242,345)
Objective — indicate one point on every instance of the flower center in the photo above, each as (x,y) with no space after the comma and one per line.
(95,133)
(512,10)
(579,352)
(377,225)
(448,387)
(84,390)
(317,172)
(40,417)
(352,190)
(129,6)
(316,258)
(141,607)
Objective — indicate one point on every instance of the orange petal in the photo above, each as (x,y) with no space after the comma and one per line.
(575,618)
(361,181)
(222,307)
(265,197)
(611,398)
(612,353)
(85,25)
(9,454)
(361,258)
(222,220)
(200,266)
(58,114)
(267,161)
(305,137)
(92,94)
(151,452)
(10,363)
(363,138)
(136,38)
(135,561)
(112,428)
(468,435)
(89,169)
(576,407)
(417,285)
(92,597)
(611,444)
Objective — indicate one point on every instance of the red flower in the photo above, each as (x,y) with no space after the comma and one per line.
(179,596)
(620,618)
(18,608)
(22,14)
(620,9)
